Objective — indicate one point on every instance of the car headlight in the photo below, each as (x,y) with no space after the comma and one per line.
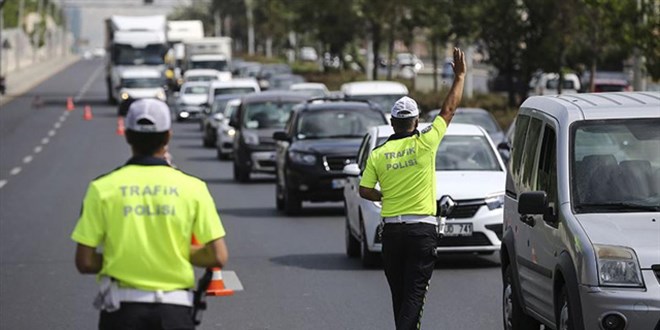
(302,158)
(495,201)
(124,96)
(161,96)
(184,114)
(231,132)
(618,266)
(250,138)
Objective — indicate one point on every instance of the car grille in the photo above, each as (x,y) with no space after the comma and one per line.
(337,163)
(497,228)
(464,208)
(266,163)
(477,239)
(656,271)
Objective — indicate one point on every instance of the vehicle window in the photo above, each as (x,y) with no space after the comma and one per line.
(615,166)
(554,83)
(546,178)
(385,102)
(142,82)
(522,123)
(267,114)
(233,90)
(201,78)
(196,90)
(363,153)
(219,105)
(215,64)
(230,109)
(466,153)
(529,155)
(324,124)
(482,119)
(150,55)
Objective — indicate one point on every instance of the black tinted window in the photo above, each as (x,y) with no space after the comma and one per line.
(529,155)
(518,143)
(546,178)
(337,124)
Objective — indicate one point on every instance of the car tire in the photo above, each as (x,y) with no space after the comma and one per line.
(369,259)
(208,143)
(352,243)
(221,155)
(240,174)
(513,315)
(292,202)
(279,199)
(565,314)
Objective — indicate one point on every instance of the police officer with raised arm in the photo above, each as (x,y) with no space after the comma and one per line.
(404,166)
(144,215)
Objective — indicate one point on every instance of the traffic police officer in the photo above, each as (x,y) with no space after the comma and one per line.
(404,166)
(144,215)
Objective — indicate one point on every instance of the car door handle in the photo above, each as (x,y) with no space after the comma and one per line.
(528,220)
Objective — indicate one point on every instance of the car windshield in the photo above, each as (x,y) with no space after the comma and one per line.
(196,90)
(201,78)
(219,105)
(616,166)
(554,83)
(142,82)
(466,153)
(327,124)
(127,55)
(233,90)
(385,102)
(215,64)
(477,118)
(267,114)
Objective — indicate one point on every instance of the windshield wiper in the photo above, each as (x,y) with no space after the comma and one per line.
(619,207)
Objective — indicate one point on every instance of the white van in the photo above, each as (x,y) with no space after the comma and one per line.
(140,83)
(382,93)
(548,83)
(234,86)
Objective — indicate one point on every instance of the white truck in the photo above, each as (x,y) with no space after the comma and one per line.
(179,32)
(208,53)
(133,41)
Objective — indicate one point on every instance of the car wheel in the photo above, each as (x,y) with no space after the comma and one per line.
(513,316)
(279,199)
(565,314)
(208,142)
(369,259)
(292,202)
(221,155)
(240,174)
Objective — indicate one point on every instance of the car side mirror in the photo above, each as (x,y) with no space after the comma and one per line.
(533,202)
(281,136)
(352,170)
(504,146)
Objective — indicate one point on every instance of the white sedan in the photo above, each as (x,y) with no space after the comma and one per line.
(468,169)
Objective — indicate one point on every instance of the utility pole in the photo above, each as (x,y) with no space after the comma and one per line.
(19,43)
(249,4)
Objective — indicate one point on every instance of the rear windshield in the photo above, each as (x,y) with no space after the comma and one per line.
(196,90)
(321,124)
(233,90)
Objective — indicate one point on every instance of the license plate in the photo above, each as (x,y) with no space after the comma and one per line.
(458,229)
(338,183)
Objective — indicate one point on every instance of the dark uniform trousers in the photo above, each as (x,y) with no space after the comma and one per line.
(408,260)
(147,316)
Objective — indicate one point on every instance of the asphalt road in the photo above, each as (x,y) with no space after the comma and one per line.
(294,270)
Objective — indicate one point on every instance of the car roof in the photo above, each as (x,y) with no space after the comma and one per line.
(282,95)
(593,106)
(237,82)
(452,130)
(308,85)
(374,88)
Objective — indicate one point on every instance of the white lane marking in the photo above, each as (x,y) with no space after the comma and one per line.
(37,149)
(15,171)
(51,133)
(45,141)
(3,183)
(27,159)
(89,82)
(66,114)
(58,125)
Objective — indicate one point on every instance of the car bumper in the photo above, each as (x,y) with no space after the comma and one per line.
(224,142)
(262,161)
(639,307)
(189,113)
(313,185)
(486,235)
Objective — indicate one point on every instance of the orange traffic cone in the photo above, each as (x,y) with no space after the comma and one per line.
(87,114)
(69,104)
(217,286)
(120,132)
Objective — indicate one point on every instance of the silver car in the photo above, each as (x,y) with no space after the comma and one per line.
(581,244)
(224,132)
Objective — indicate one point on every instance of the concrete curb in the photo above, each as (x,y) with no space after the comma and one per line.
(27,78)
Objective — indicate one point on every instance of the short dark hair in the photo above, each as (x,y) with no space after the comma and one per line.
(146,144)
(403,124)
